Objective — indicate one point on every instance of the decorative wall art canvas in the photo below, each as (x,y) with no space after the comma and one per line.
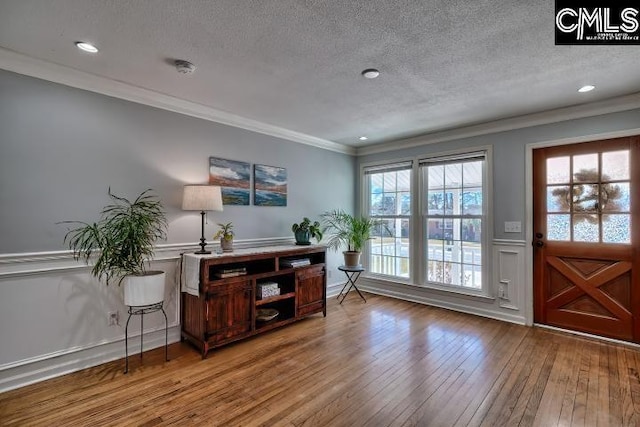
(269,186)
(233,177)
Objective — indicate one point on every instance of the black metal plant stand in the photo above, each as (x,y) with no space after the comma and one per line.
(141,310)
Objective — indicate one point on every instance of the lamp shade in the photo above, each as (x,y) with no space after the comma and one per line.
(202,198)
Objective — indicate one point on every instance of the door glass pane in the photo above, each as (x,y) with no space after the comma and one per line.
(615,165)
(585,228)
(558,227)
(616,197)
(558,199)
(585,198)
(585,168)
(616,228)
(558,170)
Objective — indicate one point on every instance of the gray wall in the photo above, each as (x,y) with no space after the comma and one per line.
(61,148)
(509,158)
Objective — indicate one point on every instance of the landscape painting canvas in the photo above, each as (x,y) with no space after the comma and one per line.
(233,177)
(269,185)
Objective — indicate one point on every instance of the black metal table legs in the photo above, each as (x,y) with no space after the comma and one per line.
(141,311)
(352,277)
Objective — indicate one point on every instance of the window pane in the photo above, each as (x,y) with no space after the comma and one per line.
(404,203)
(435,229)
(472,201)
(435,203)
(389,204)
(436,177)
(585,228)
(616,197)
(558,227)
(585,168)
(375,182)
(472,174)
(615,165)
(390,181)
(616,228)
(435,271)
(435,250)
(404,180)
(558,198)
(471,230)
(453,175)
(375,204)
(558,170)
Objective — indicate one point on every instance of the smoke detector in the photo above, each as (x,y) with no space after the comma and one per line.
(184,67)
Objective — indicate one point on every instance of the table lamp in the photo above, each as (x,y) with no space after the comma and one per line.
(202,198)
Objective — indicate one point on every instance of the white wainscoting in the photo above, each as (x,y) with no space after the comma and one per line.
(506,302)
(54,313)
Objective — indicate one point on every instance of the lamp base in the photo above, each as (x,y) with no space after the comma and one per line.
(202,252)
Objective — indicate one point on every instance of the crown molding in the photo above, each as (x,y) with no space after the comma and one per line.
(612,105)
(26,65)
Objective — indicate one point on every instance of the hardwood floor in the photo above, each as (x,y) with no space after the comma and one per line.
(386,362)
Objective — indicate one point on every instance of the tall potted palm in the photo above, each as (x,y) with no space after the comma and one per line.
(121,244)
(348,230)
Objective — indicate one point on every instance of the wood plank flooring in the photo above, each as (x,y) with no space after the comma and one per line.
(383,363)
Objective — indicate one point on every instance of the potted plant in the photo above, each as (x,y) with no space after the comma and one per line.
(225,234)
(350,231)
(306,230)
(122,242)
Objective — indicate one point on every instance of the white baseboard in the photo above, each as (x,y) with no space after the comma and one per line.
(72,361)
(420,299)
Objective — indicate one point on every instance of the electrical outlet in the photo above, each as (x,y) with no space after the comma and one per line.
(512,227)
(113,318)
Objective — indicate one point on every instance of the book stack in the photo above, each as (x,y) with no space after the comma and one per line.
(231,272)
(268,289)
(293,263)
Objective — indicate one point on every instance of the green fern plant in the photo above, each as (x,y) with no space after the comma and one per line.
(122,241)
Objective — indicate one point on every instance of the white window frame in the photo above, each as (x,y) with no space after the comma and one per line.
(417,243)
(487,226)
(397,164)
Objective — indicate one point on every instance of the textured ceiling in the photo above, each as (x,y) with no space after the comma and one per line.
(296,64)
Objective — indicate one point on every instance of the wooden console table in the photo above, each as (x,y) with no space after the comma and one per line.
(222,307)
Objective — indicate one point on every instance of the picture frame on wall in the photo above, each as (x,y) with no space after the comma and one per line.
(269,185)
(234,178)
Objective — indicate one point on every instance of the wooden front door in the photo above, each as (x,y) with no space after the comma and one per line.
(587,237)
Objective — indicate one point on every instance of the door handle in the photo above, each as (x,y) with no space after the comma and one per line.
(539,235)
(539,243)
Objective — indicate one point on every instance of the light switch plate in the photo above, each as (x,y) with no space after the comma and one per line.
(512,227)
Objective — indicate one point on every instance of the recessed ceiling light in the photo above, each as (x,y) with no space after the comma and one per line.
(371,73)
(87,47)
(586,88)
(363,138)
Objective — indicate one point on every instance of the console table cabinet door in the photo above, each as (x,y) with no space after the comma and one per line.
(311,290)
(229,311)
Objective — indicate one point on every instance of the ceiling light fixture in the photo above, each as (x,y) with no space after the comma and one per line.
(586,88)
(87,47)
(184,67)
(363,138)
(371,73)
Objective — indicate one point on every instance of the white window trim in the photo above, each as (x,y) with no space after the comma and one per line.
(417,244)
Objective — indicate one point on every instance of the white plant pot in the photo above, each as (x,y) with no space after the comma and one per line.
(146,289)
